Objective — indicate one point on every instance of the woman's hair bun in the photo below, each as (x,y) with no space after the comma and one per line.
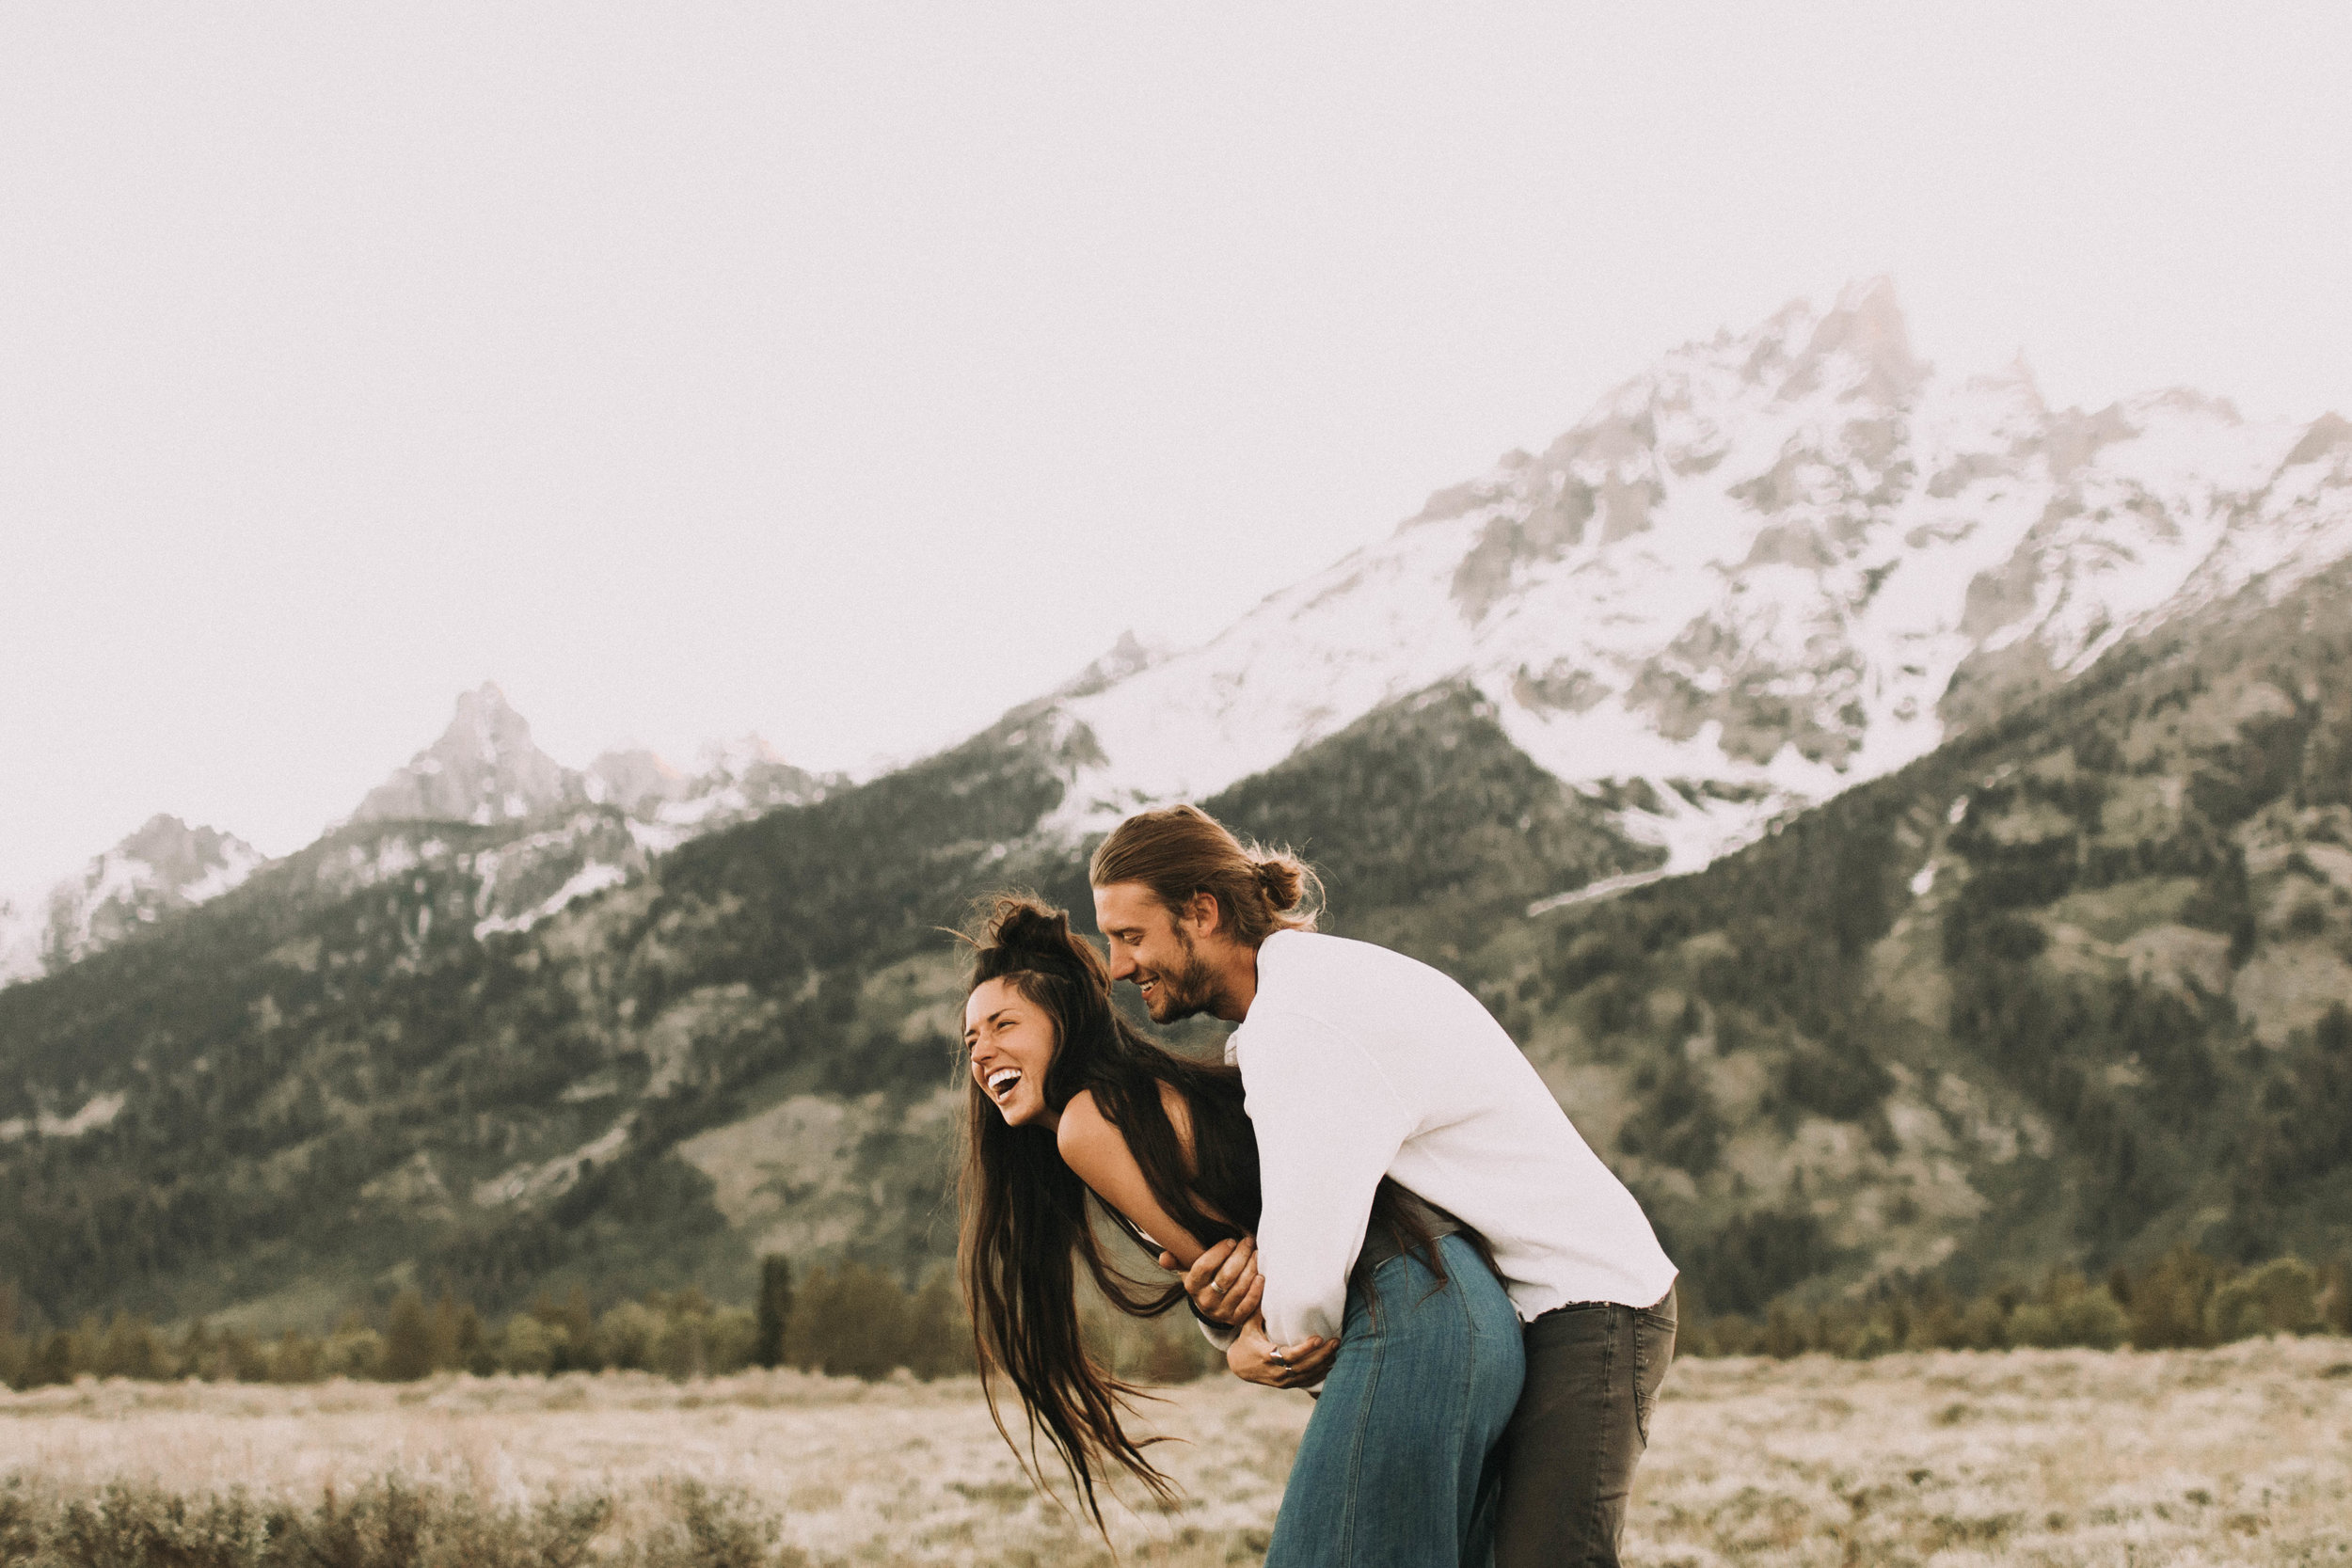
(1019,932)
(1024,925)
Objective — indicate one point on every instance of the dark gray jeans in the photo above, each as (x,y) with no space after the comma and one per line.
(1582,1422)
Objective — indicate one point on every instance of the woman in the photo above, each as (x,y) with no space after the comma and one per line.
(1071,1104)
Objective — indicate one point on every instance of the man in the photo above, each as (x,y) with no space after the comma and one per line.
(1359,1063)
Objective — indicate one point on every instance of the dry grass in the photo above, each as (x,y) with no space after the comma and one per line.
(2238,1455)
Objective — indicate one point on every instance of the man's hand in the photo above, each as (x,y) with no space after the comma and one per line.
(1224,1282)
(1255,1358)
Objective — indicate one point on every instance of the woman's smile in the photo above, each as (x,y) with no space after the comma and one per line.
(1010,1042)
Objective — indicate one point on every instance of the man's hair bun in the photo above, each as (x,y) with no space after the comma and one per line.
(1282,879)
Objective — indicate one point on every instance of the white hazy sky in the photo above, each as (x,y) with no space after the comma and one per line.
(852,373)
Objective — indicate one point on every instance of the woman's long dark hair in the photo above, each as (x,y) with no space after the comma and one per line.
(1026,1215)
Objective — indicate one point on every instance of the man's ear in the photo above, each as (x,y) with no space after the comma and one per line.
(1205,914)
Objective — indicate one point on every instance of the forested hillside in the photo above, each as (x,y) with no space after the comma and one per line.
(2067,991)
(313,1092)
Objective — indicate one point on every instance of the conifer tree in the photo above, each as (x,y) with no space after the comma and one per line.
(407,1340)
(774,1309)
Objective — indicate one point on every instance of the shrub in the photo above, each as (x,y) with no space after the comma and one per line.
(407,1340)
(2037,1325)
(2167,1304)
(355,1353)
(629,1333)
(2093,1319)
(384,1524)
(2280,1297)
(1985,1325)
(527,1345)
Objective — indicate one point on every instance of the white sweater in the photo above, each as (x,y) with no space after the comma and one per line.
(1360,1063)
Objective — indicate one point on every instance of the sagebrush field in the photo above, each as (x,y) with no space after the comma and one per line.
(2238,1455)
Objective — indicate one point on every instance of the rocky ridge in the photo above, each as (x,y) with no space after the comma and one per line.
(546,835)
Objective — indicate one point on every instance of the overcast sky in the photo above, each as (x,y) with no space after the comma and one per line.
(850,373)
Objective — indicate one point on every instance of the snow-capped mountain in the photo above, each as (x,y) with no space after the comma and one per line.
(485,769)
(732,781)
(1773,565)
(561,842)
(164,865)
(566,841)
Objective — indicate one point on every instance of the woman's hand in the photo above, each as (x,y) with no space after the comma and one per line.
(1254,1358)
(1224,1282)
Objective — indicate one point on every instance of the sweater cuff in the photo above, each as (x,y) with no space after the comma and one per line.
(1216,1332)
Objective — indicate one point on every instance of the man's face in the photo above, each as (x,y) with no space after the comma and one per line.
(1152,947)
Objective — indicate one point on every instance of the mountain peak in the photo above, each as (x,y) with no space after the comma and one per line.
(2329,433)
(738,758)
(483,768)
(1864,334)
(634,778)
(1127,657)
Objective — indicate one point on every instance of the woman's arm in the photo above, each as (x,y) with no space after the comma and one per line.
(1097,1151)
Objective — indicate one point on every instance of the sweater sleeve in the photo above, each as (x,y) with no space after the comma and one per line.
(1328,1125)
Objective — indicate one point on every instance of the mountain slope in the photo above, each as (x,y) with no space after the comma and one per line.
(2062,992)
(337,1078)
(2067,991)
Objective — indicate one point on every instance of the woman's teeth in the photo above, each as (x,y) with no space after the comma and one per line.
(1002,1080)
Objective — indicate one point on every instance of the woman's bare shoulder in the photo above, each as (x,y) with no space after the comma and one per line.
(1083,1130)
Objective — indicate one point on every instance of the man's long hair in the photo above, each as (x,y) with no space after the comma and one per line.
(1179,852)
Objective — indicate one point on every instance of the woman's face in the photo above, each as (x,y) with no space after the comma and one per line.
(1009,1041)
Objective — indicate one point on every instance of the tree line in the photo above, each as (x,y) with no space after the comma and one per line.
(857,1321)
(850,1321)
(2184,1300)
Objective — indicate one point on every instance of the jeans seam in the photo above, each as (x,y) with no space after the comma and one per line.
(1588,1528)
(1363,1422)
(1641,1377)
(1459,1290)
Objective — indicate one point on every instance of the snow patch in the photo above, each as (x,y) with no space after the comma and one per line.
(1608,887)
(99,1111)
(593,878)
(551,1176)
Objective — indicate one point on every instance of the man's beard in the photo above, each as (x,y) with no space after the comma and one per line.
(1186,993)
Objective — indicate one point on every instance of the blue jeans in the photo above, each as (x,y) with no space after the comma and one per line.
(1393,1468)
